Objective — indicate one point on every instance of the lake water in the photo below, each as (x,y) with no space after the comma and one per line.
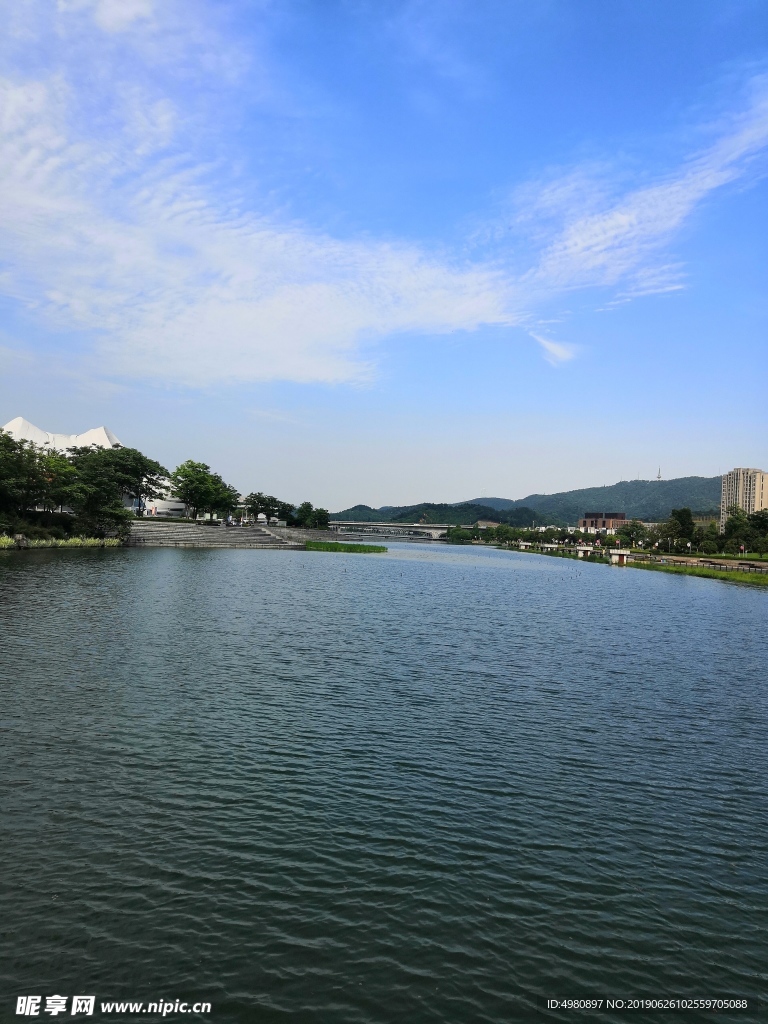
(434,785)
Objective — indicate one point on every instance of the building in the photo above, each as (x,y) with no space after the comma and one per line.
(102,437)
(22,430)
(602,522)
(746,488)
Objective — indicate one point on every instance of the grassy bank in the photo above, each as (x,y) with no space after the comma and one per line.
(354,549)
(8,543)
(732,576)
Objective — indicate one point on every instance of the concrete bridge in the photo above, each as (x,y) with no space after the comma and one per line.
(396,531)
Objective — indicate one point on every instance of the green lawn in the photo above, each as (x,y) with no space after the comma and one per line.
(732,576)
(353,549)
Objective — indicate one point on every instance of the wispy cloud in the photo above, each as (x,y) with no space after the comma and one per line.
(181,289)
(555,352)
(616,240)
(122,233)
(111,15)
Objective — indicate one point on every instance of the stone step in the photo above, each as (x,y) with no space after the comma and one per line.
(154,534)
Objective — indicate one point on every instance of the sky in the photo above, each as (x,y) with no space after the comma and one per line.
(390,251)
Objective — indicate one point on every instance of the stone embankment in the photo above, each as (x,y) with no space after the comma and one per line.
(157,534)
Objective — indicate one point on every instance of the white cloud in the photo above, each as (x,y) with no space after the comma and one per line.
(110,233)
(176,289)
(612,239)
(111,15)
(555,352)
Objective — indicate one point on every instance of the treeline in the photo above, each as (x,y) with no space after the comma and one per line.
(433,512)
(680,533)
(37,485)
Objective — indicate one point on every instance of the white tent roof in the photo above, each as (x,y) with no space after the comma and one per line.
(22,430)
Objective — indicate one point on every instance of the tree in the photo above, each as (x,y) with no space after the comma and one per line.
(304,514)
(192,482)
(632,533)
(285,511)
(60,480)
(141,478)
(22,477)
(203,491)
(226,498)
(97,488)
(258,503)
(132,473)
(320,518)
(737,522)
(684,518)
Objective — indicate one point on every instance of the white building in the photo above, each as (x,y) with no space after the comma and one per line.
(746,488)
(22,430)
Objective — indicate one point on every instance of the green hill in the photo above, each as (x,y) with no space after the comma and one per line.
(463,514)
(651,500)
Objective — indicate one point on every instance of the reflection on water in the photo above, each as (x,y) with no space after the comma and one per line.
(431,785)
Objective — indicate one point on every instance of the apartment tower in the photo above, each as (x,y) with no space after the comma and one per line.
(747,488)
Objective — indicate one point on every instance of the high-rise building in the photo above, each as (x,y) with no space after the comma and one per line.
(747,488)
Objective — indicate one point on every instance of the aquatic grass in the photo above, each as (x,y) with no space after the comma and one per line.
(68,542)
(728,576)
(354,549)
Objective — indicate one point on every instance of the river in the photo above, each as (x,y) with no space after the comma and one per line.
(435,785)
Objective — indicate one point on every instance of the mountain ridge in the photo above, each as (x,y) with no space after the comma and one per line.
(650,500)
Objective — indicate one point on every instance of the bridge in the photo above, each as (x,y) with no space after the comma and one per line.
(401,531)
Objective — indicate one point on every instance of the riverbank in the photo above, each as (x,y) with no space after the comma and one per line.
(734,575)
(10,544)
(732,571)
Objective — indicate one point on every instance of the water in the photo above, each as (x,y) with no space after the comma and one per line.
(428,786)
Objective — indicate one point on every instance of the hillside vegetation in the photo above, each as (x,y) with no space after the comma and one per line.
(430,512)
(651,500)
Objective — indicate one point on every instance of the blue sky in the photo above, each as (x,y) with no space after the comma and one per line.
(390,251)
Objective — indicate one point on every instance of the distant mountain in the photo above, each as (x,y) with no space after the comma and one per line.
(497,503)
(362,514)
(651,500)
(428,512)
(466,514)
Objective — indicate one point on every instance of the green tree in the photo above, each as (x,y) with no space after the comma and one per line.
(684,519)
(22,476)
(456,535)
(304,514)
(141,478)
(193,483)
(632,533)
(320,518)
(258,503)
(737,522)
(60,480)
(226,498)
(97,489)
(203,491)
(269,505)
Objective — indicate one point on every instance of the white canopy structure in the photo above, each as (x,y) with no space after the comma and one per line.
(22,430)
